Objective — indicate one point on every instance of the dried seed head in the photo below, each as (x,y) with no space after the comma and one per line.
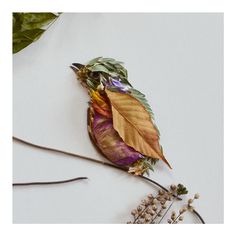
(154,207)
(152,213)
(143,215)
(190,201)
(148,210)
(150,196)
(155,201)
(139,208)
(181,218)
(159,198)
(134,212)
(147,218)
(163,206)
(173,215)
(182,210)
(196,196)
(161,192)
(144,202)
(173,187)
(163,202)
(169,221)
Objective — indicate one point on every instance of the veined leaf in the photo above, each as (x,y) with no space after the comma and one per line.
(24,38)
(134,125)
(27,28)
(36,20)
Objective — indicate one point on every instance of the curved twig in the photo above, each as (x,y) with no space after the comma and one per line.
(199,216)
(84,158)
(92,160)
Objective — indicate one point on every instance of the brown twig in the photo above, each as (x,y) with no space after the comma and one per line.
(199,216)
(49,182)
(166,211)
(92,160)
(84,158)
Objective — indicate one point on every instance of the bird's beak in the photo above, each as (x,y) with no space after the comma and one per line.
(76,67)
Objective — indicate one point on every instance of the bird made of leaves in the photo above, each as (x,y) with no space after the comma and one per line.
(120,120)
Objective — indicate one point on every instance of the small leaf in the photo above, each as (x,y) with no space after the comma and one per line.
(134,125)
(99,68)
(181,189)
(93,61)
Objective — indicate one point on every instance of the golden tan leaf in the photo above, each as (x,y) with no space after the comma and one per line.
(134,125)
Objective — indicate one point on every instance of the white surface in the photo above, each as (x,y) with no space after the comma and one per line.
(175,59)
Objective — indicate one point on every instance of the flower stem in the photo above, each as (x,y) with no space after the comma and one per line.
(166,211)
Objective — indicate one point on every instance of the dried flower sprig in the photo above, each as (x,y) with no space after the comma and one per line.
(175,219)
(152,209)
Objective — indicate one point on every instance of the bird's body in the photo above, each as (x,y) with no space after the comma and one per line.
(120,121)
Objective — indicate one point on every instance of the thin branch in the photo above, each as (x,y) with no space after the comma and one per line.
(199,216)
(84,158)
(99,162)
(48,182)
(166,211)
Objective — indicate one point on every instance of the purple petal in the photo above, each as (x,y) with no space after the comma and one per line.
(111,144)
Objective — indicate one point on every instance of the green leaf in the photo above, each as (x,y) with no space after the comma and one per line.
(93,61)
(36,20)
(27,28)
(28,35)
(24,38)
(16,21)
(99,68)
(181,189)
(20,45)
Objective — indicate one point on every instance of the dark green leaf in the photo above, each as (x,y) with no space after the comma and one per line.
(181,190)
(20,45)
(27,35)
(23,39)
(36,20)
(27,28)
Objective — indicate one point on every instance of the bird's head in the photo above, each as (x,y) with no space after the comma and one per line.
(102,72)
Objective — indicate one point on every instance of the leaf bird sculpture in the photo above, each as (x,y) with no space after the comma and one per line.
(120,120)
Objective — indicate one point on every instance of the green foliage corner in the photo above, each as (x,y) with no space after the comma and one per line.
(28,27)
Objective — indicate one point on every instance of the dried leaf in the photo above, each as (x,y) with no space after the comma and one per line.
(134,125)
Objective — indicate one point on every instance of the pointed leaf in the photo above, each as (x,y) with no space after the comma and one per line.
(36,20)
(134,125)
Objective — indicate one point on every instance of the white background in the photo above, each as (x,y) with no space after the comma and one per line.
(175,59)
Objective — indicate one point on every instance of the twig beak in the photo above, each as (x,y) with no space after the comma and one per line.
(76,67)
